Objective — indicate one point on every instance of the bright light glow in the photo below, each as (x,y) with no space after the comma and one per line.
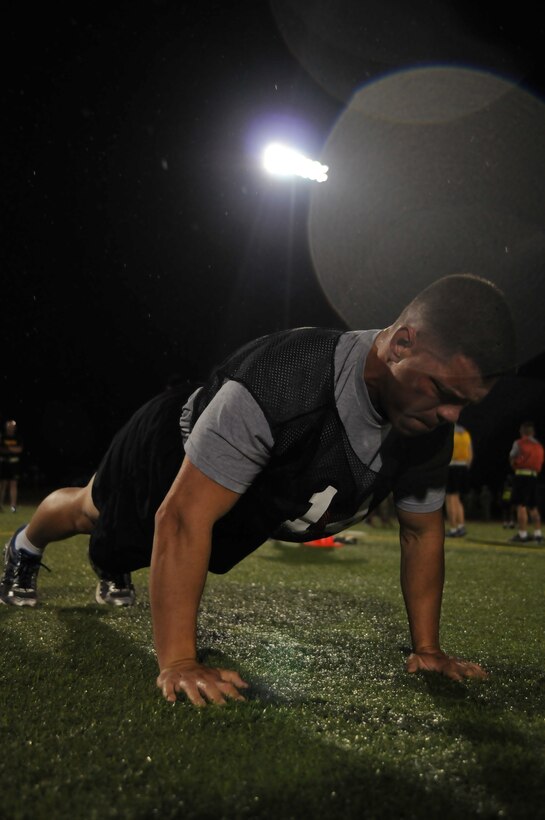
(283,161)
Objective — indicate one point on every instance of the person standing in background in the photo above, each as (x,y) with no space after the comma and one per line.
(10,460)
(526,458)
(458,481)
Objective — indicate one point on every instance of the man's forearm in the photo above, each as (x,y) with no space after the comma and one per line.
(178,573)
(422,578)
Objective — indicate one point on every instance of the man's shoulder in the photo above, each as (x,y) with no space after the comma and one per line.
(287,355)
(289,343)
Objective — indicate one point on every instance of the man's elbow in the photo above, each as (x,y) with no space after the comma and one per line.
(175,522)
(167,519)
(422,528)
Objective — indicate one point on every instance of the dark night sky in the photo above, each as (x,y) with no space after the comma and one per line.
(141,238)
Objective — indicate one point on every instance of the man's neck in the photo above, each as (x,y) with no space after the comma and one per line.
(373,373)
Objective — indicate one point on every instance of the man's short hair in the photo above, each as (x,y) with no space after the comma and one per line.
(467,314)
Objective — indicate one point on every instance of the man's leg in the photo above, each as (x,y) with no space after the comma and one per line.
(460,516)
(450,505)
(535,518)
(64,513)
(455,515)
(522,518)
(13,494)
(522,522)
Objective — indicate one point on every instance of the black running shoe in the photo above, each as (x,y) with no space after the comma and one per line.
(114,589)
(18,586)
(520,539)
(10,567)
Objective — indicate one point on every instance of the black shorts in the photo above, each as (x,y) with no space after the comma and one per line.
(525,491)
(132,480)
(458,480)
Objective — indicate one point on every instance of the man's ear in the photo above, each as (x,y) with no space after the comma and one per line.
(402,343)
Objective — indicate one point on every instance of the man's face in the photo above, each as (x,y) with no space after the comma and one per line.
(424,390)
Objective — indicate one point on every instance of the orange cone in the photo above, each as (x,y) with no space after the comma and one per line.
(323,542)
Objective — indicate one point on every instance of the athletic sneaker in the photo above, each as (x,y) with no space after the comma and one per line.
(520,539)
(538,539)
(10,566)
(115,590)
(18,586)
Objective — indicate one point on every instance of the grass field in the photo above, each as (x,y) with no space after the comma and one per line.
(333,728)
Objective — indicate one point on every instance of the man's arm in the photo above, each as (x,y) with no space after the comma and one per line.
(422,577)
(179,564)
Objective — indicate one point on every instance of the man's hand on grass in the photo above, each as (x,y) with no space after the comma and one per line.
(447,665)
(201,684)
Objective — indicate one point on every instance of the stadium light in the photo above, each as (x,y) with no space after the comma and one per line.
(283,161)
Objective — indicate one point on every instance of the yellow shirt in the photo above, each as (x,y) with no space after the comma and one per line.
(462,451)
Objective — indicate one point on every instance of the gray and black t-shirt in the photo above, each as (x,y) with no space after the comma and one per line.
(231,441)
